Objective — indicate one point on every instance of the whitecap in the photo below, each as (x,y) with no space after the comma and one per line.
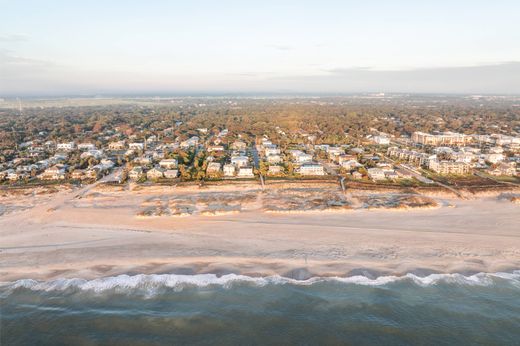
(149,284)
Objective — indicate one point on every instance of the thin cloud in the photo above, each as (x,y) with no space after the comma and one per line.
(491,78)
(280,47)
(13,37)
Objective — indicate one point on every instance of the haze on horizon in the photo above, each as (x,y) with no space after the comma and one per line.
(99,47)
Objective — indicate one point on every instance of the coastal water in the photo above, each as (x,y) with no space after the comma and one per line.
(453,309)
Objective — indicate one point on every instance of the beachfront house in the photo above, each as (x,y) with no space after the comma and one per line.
(274,170)
(78,174)
(376,174)
(357,175)
(171,173)
(213,168)
(136,173)
(245,172)
(155,173)
(448,167)
(229,170)
(56,172)
(311,169)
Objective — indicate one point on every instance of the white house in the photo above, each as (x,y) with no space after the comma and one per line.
(155,173)
(381,140)
(301,157)
(240,161)
(136,146)
(68,146)
(274,169)
(119,145)
(171,173)
(213,167)
(191,142)
(239,145)
(274,159)
(311,169)
(229,170)
(168,163)
(495,157)
(86,146)
(335,151)
(271,150)
(245,172)
(54,173)
(136,173)
(376,174)
(350,164)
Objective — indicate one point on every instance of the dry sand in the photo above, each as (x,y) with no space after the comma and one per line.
(101,231)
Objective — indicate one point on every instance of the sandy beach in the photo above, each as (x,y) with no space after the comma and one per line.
(104,231)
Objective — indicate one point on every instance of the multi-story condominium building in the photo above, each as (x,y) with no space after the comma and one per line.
(445,138)
(410,156)
(448,167)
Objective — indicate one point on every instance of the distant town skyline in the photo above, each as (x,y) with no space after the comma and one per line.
(119,47)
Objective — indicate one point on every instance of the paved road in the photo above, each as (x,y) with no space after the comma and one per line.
(256,159)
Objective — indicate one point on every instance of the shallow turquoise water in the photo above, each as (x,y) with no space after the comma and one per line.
(204,309)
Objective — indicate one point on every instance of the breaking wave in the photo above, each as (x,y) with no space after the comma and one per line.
(152,283)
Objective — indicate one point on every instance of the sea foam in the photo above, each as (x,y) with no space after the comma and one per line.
(151,283)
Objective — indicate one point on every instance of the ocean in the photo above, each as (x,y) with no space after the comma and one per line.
(167,309)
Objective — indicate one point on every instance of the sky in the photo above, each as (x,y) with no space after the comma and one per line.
(200,46)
